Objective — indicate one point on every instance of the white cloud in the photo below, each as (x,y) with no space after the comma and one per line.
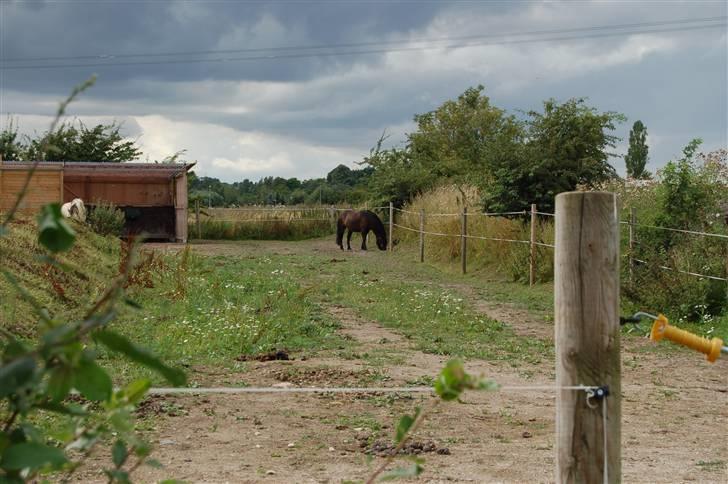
(231,155)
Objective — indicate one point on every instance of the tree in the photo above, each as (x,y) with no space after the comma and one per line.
(460,140)
(685,196)
(566,146)
(636,158)
(10,147)
(342,174)
(397,176)
(102,143)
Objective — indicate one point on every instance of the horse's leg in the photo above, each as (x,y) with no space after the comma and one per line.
(340,228)
(364,234)
(348,239)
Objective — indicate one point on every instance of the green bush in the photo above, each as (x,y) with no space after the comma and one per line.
(686,194)
(107,219)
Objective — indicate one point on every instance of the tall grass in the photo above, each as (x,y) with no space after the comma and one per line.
(509,258)
(263,223)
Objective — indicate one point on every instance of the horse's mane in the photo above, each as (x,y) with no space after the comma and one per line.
(377,225)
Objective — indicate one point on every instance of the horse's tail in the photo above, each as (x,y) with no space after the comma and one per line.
(340,228)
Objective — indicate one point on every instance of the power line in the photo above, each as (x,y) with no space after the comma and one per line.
(374,43)
(359,52)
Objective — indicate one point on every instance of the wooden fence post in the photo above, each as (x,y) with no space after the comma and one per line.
(532,256)
(422,235)
(632,221)
(586,300)
(391,226)
(463,244)
(197,218)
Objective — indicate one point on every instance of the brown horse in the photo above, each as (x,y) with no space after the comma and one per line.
(363,222)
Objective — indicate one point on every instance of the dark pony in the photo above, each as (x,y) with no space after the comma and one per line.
(363,222)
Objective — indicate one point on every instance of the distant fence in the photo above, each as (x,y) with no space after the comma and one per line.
(393,218)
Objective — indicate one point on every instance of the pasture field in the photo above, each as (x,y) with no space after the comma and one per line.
(378,319)
(373,319)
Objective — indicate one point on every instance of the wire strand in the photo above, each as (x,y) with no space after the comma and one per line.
(366,44)
(692,232)
(359,52)
(416,389)
(695,274)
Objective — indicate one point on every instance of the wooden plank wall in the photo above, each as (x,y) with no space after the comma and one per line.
(124,193)
(45,187)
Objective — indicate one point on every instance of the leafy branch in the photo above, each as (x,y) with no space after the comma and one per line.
(450,384)
(38,377)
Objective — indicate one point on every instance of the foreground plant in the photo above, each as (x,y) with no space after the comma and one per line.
(450,385)
(57,374)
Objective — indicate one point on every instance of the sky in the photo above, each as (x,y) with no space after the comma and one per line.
(295,88)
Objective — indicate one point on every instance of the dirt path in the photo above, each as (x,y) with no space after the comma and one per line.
(674,407)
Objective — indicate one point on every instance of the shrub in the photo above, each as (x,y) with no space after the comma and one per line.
(686,194)
(106,219)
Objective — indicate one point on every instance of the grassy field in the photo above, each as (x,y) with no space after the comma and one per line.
(210,308)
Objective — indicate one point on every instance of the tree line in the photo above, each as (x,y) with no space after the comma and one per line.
(514,159)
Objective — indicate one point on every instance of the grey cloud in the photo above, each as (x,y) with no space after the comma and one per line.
(346,102)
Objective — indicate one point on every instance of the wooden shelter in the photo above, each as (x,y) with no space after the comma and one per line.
(152,196)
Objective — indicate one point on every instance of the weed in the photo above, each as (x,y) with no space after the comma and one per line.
(712,465)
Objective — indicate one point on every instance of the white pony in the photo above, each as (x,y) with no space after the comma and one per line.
(74,209)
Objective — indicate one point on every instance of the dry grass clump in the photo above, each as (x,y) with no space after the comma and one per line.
(509,258)
(262,223)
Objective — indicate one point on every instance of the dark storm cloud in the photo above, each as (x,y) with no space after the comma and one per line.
(326,110)
(82,28)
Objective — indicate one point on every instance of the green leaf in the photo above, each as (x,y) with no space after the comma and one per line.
(73,410)
(405,423)
(60,383)
(122,422)
(132,303)
(14,349)
(119,453)
(53,232)
(118,476)
(136,390)
(154,463)
(413,470)
(121,344)
(92,381)
(15,374)
(31,455)
(59,334)
(453,380)
(142,449)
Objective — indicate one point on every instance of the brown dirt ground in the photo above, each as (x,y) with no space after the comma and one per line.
(675,417)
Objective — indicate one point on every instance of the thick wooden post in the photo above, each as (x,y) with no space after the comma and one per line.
(586,311)
(632,221)
(463,239)
(532,256)
(391,226)
(197,218)
(422,235)
(181,215)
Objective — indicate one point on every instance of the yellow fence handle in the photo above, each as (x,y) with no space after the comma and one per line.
(663,329)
